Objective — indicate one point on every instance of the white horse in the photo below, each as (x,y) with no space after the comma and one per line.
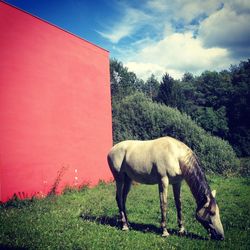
(164,161)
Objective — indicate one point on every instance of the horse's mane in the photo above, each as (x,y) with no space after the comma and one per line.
(196,179)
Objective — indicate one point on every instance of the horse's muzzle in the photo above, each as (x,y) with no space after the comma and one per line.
(215,236)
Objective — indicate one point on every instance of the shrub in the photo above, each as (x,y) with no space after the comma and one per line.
(137,117)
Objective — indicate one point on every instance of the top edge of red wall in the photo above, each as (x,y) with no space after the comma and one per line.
(54,25)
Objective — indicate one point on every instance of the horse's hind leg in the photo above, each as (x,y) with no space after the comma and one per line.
(126,189)
(177,198)
(120,187)
(163,191)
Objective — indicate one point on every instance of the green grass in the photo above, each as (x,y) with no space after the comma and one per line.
(88,219)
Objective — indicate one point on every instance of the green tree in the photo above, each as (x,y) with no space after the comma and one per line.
(167,91)
(122,81)
(206,99)
(214,121)
(213,89)
(188,90)
(188,78)
(170,92)
(151,87)
(218,101)
(239,109)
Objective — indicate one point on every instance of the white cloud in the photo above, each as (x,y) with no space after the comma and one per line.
(115,37)
(228,27)
(182,36)
(186,10)
(240,6)
(189,9)
(176,54)
(157,5)
(145,70)
(133,19)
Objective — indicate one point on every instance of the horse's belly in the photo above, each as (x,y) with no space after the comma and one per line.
(144,179)
(144,175)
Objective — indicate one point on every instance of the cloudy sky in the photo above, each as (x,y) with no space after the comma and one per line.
(156,36)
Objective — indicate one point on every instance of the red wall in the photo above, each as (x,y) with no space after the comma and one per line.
(55,108)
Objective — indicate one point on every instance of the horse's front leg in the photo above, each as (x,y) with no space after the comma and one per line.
(177,198)
(163,192)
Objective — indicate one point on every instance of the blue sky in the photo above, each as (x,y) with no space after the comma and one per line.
(156,36)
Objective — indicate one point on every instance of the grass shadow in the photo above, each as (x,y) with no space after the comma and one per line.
(145,228)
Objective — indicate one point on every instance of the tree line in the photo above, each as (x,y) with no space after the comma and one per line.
(218,102)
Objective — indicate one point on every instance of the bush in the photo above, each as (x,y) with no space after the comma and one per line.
(137,117)
(244,168)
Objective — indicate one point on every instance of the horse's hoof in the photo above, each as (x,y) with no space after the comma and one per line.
(165,233)
(125,228)
(182,232)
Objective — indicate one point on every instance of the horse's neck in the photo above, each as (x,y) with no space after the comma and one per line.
(198,185)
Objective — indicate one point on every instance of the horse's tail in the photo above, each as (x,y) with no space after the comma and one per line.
(115,159)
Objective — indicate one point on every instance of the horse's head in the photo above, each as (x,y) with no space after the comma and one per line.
(209,217)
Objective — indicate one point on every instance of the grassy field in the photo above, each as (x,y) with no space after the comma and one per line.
(87,219)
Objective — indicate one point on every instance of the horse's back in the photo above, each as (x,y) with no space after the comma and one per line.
(155,150)
(145,161)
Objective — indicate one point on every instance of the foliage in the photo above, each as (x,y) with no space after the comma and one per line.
(167,91)
(88,220)
(137,117)
(213,89)
(170,93)
(239,109)
(244,169)
(205,98)
(123,82)
(218,101)
(212,120)
(151,87)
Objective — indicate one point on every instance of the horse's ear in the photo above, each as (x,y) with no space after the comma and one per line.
(214,193)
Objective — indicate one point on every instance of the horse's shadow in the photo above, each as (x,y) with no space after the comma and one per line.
(145,228)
